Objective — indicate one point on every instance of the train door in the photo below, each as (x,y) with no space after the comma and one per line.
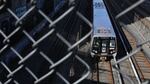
(105,46)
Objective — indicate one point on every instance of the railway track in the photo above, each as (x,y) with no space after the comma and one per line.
(103,72)
(140,60)
(140,63)
(132,66)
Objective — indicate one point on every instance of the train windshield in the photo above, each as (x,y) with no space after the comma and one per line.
(102,45)
(96,42)
(112,43)
(96,45)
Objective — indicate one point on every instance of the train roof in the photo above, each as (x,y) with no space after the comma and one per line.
(101,21)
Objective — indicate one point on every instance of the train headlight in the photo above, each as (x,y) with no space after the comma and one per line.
(94,51)
(112,51)
(112,48)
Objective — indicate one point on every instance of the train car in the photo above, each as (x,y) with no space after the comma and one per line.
(103,43)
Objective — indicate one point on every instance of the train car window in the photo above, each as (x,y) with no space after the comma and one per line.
(96,42)
(104,46)
(112,43)
(96,45)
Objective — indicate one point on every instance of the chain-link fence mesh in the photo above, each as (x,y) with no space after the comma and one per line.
(23,46)
(9,73)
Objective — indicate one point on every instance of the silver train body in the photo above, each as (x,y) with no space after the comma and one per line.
(103,41)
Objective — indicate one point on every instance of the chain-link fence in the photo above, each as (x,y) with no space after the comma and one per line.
(10,52)
(23,48)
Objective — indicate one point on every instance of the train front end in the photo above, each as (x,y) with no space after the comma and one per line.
(103,40)
(103,46)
